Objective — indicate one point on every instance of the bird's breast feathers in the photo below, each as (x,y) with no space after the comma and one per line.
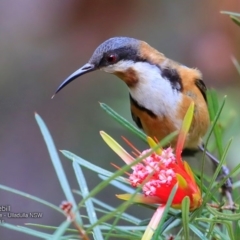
(153,90)
(167,93)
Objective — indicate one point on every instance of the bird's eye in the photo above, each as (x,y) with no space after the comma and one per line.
(112,58)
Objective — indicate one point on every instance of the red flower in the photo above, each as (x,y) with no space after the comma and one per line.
(158,174)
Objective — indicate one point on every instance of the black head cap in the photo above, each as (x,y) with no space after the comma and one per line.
(123,48)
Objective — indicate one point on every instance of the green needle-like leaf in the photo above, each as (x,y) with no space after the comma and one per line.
(28,231)
(214,112)
(231,13)
(159,229)
(224,216)
(197,232)
(236,64)
(123,121)
(31,197)
(235,20)
(60,230)
(57,164)
(185,217)
(89,204)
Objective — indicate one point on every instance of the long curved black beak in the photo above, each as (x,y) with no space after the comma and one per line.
(88,67)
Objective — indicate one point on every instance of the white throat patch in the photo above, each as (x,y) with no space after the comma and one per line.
(152,91)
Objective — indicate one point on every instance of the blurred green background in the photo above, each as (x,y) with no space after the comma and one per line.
(42,42)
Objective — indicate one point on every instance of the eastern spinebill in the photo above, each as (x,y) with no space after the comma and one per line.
(161,89)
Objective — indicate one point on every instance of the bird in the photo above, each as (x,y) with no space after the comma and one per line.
(160,89)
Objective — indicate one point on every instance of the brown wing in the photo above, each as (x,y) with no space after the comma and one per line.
(136,120)
(202,87)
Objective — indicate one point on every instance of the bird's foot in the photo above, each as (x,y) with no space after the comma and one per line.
(232,208)
(226,191)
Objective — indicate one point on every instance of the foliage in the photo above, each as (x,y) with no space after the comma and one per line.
(202,223)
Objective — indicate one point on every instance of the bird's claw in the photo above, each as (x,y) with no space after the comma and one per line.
(226,188)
